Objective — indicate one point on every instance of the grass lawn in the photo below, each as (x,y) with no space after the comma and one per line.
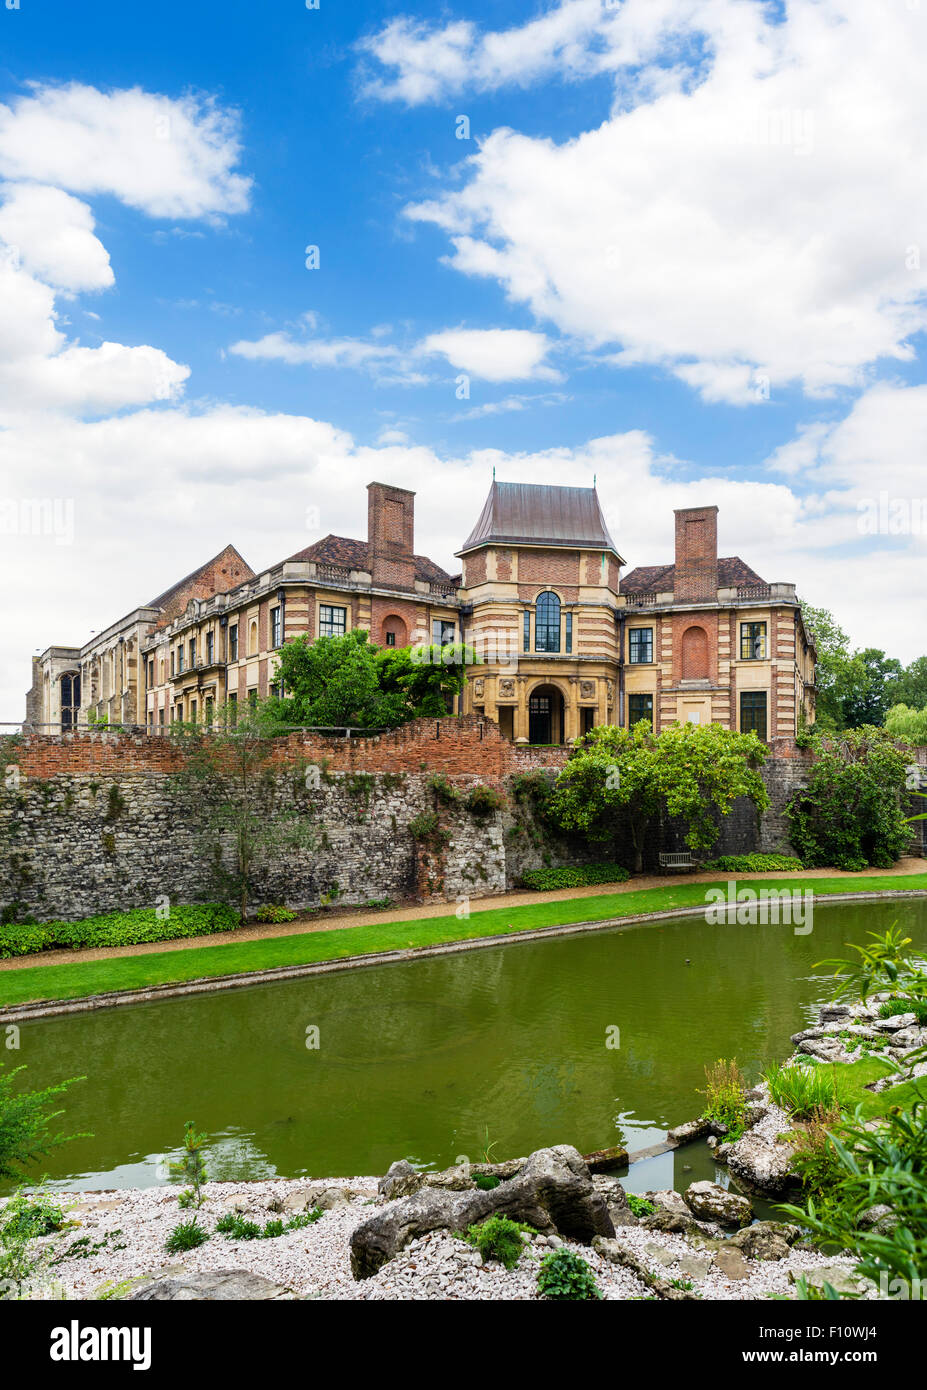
(138,972)
(852,1078)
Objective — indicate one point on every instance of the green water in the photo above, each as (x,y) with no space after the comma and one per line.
(420,1059)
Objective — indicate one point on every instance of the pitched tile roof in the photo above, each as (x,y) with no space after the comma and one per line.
(540,514)
(658,579)
(343,550)
(166,599)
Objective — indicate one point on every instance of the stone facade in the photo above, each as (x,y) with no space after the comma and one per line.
(97,822)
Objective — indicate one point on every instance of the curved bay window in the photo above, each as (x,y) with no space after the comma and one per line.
(547,623)
(70,700)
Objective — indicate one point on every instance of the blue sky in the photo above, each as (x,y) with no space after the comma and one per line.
(680,250)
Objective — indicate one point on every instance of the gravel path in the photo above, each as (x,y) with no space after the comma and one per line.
(121,1236)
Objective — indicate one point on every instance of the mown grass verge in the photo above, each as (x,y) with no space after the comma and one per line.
(23,984)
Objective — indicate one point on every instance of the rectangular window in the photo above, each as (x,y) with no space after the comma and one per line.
(640,707)
(233,710)
(391,639)
(192,711)
(568,632)
(151,673)
(253,698)
(192,651)
(333,622)
(753,641)
(276,627)
(210,647)
(208,710)
(442,632)
(640,646)
(233,642)
(526,641)
(753,712)
(161,718)
(180,659)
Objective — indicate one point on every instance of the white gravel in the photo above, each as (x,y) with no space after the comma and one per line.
(131,1226)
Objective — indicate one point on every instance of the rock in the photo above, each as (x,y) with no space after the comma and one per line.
(669,1199)
(764,1240)
(730,1262)
(659,1254)
(235,1202)
(910,1037)
(825,1049)
(683,1134)
(763,1162)
(618,1254)
(552,1192)
(606,1160)
(450,1180)
(879,1218)
(327,1198)
(695,1266)
(674,1222)
(834,1013)
(895,1023)
(842,1280)
(712,1202)
(209,1286)
(616,1199)
(401,1180)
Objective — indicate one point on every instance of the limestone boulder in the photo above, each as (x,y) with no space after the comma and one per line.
(708,1201)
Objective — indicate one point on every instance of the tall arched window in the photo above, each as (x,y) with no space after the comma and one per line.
(547,623)
(70,700)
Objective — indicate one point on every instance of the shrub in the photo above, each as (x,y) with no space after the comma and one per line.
(486,1182)
(236,1227)
(498,1238)
(564,1275)
(573,876)
(753,864)
(187,1235)
(801,1090)
(483,800)
(725,1096)
(814,1157)
(25,1122)
(275,912)
(640,1206)
(190,1166)
(426,826)
(130,928)
(27,1216)
(893,1007)
(444,790)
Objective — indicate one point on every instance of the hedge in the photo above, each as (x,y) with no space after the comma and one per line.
(754,864)
(573,876)
(130,928)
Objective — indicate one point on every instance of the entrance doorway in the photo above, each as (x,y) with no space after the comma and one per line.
(545,715)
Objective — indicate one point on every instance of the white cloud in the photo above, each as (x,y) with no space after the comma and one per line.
(493,354)
(166,157)
(752,215)
(51,234)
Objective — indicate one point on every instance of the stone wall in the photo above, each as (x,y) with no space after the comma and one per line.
(97,822)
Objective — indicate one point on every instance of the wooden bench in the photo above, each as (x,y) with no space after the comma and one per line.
(681,862)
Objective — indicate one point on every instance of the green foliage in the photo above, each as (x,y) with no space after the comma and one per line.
(25,1122)
(893,1008)
(486,1182)
(484,801)
(620,779)
(640,1206)
(753,864)
(726,1096)
(275,912)
(573,876)
(535,789)
(499,1238)
(30,1214)
(856,688)
(186,1235)
(348,682)
(885,962)
(235,1227)
(444,790)
(802,1090)
(129,928)
(564,1275)
(427,827)
(910,725)
(849,814)
(190,1167)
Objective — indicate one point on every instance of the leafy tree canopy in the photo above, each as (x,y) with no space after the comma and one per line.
(619,779)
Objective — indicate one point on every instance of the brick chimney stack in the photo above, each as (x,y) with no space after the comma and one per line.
(391,535)
(696,574)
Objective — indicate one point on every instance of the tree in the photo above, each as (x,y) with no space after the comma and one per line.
(25,1122)
(833,657)
(910,687)
(621,778)
(347,681)
(909,725)
(227,779)
(850,813)
(854,689)
(865,698)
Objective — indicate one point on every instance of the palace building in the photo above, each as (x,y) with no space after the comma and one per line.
(565,643)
